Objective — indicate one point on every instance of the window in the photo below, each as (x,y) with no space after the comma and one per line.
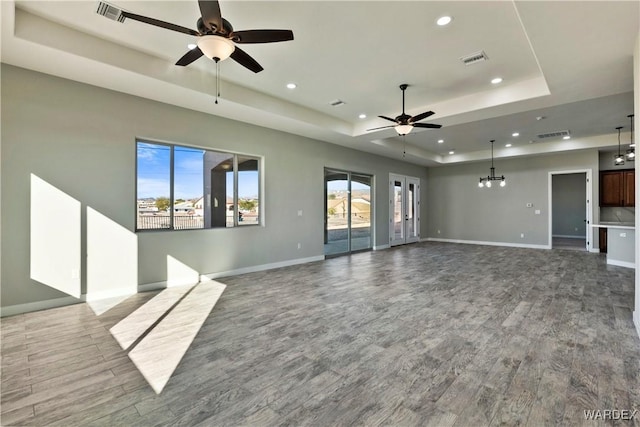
(184,188)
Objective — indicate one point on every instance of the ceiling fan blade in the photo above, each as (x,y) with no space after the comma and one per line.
(244,59)
(161,24)
(427,125)
(383,127)
(388,118)
(421,116)
(210,11)
(262,36)
(190,56)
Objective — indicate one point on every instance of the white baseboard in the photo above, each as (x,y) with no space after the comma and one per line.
(478,242)
(263,267)
(567,236)
(621,263)
(12,310)
(111,293)
(636,320)
(381,247)
(152,286)
(594,250)
(60,302)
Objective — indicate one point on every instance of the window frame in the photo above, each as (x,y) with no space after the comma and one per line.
(172,146)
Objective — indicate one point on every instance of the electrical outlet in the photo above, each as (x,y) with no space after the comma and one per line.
(623,234)
(438,231)
(522,235)
(300,212)
(299,245)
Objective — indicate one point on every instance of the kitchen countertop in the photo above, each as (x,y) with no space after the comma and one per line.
(623,225)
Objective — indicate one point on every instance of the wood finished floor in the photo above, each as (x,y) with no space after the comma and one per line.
(431,334)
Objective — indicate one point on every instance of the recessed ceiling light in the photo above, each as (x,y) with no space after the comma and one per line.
(444,20)
(508,145)
(291,85)
(515,134)
(451,152)
(496,80)
(440,141)
(362,116)
(192,46)
(566,137)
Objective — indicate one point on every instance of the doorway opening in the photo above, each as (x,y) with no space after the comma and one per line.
(404,209)
(348,201)
(570,210)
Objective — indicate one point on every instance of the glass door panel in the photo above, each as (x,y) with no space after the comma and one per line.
(336,231)
(398,210)
(413,203)
(360,212)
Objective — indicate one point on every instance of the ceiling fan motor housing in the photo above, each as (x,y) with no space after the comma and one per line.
(226,29)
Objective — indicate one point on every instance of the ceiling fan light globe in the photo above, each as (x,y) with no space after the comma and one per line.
(216,47)
(488,184)
(403,129)
(503,183)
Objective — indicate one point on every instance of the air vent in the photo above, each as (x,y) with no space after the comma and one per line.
(337,103)
(474,58)
(556,134)
(110,11)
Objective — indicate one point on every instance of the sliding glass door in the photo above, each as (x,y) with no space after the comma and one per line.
(348,201)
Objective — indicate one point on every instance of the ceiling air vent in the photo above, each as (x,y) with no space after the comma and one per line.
(110,11)
(337,103)
(556,134)
(474,58)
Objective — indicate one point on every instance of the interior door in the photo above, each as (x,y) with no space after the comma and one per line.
(404,209)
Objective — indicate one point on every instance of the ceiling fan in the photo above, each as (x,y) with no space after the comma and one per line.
(216,37)
(404,123)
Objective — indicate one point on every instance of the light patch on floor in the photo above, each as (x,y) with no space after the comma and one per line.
(129,329)
(159,353)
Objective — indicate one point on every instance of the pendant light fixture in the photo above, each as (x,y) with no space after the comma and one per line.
(631,152)
(619,158)
(486,181)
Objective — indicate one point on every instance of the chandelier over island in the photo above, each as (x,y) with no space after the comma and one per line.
(486,181)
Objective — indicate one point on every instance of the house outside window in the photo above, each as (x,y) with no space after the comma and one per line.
(186,188)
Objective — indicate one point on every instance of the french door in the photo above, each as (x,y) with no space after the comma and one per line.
(404,209)
(348,202)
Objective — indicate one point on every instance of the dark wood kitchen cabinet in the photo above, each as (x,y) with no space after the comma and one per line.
(617,188)
(602,240)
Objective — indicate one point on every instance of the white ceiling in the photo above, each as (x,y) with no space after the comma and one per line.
(569,62)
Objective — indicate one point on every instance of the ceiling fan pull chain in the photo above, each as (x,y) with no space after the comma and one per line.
(404,147)
(217,80)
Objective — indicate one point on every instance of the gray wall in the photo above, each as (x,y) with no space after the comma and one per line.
(81,140)
(569,206)
(457,209)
